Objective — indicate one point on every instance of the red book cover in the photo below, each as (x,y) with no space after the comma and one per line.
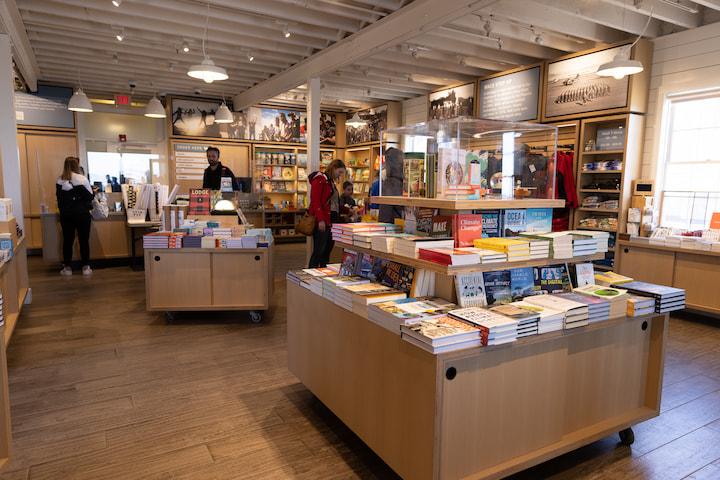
(199,201)
(468,227)
(436,257)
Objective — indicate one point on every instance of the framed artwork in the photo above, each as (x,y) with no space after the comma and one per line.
(512,96)
(452,102)
(572,86)
(376,122)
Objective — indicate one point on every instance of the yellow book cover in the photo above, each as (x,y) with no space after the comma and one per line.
(501,244)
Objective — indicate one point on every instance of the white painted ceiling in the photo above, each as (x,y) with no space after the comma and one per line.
(74,41)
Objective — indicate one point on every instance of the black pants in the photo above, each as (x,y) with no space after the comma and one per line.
(81,223)
(323,244)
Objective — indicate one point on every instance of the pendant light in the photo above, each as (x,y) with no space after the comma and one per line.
(207,70)
(223,114)
(355,121)
(154,108)
(79,102)
(622,65)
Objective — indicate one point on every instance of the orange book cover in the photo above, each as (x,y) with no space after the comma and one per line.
(467,227)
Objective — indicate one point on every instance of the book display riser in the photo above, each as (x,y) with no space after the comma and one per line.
(484,412)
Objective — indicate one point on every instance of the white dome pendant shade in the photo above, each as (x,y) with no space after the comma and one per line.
(620,67)
(155,109)
(208,71)
(223,114)
(79,102)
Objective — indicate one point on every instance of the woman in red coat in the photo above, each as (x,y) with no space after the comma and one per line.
(325,207)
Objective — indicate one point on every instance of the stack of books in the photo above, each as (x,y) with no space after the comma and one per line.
(441,334)
(489,256)
(192,241)
(607,279)
(157,240)
(516,250)
(528,320)
(343,232)
(616,296)
(357,297)
(410,246)
(364,239)
(539,248)
(560,243)
(450,256)
(583,245)
(638,306)
(667,299)
(386,243)
(311,279)
(331,285)
(551,320)
(598,309)
(576,314)
(495,329)
(601,238)
(391,315)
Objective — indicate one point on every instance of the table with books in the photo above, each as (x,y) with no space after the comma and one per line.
(458,356)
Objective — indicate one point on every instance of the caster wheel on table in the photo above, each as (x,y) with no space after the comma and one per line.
(627,436)
(255,317)
(170,317)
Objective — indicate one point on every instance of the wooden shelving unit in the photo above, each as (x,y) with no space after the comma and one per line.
(364,161)
(450,270)
(449,204)
(608,184)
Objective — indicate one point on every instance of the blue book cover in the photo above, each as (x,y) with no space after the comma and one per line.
(522,283)
(491,223)
(538,220)
(514,221)
(552,279)
(365,265)
(497,287)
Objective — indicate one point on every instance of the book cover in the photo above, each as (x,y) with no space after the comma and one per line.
(424,221)
(658,291)
(442,226)
(467,227)
(522,283)
(552,279)
(199,201)
(398,276)
(365,265)
(348,265)
(377,272)
(497,287)
(582,274)
(513,222)
(538,220)
(470,289)
(491,224)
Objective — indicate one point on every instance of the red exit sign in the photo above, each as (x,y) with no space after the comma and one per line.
(122,99)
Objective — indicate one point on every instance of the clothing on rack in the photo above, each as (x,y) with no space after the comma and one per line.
(564,188)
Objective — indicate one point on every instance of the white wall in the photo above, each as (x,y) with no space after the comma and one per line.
(683,61)
(414,110)
(8,132)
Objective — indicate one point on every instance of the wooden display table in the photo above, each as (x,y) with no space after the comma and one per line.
(695,271)
(209,279)
(480,412)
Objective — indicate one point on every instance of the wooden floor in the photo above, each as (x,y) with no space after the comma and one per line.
(101,389)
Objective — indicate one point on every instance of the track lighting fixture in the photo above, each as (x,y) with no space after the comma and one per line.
(116,3)
(120,35)
(286,31)
(185,47)
(250,57)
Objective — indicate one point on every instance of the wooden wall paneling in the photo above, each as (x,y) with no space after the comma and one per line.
(234,155)
(699,275)
(645,264)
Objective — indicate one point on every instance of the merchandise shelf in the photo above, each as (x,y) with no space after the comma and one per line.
(450,204)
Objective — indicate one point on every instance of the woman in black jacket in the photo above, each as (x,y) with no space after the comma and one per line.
(74,199)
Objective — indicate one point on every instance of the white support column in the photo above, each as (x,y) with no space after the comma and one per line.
(313,124)
(11,185)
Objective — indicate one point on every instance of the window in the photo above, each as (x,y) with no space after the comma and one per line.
(132,166)
(691,164)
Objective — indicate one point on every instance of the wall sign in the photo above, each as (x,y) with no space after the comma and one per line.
(190,160)
(512,97)
(452,102)
(47,108)
(573,86)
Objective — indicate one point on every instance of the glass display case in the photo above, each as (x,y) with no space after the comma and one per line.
(469,159)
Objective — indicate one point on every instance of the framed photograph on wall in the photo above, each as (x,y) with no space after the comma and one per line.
(195,117)
(452,102)
(375,122)
(573,87)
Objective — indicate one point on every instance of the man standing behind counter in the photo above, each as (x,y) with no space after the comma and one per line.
(212,178)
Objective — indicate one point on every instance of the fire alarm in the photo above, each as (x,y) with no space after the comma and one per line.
(122,138)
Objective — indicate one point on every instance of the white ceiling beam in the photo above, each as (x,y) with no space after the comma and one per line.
(405,23)
(343,10)
(598,12)
(386,4)
(408,68)
(663,11)
(509,44)
(533,13)
(389,83)
(336,84)
(712,4)
(11,23)
(506,28)
(447,62)
(481,51)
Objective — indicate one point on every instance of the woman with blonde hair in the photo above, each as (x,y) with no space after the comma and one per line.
(325,207)
(74,199)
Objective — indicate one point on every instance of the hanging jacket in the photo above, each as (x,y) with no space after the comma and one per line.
(74,196)
(321,189)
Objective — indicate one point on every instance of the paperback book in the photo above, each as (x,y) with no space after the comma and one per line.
(497,287)
(522,283)
(552,279)
(470,289)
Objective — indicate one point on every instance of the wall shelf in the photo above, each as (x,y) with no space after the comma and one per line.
(604,152)
(592,190)
(598,210)
(449,204)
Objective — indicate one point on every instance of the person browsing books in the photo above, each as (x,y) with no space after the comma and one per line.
(325,207)
(216,171)
(392,184)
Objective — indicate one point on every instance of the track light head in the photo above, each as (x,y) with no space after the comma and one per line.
(116,3)
(286,31)
(250,57)
(185,47)
(120,35)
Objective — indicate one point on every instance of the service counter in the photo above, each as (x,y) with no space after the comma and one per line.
(481,413)
(695,271)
